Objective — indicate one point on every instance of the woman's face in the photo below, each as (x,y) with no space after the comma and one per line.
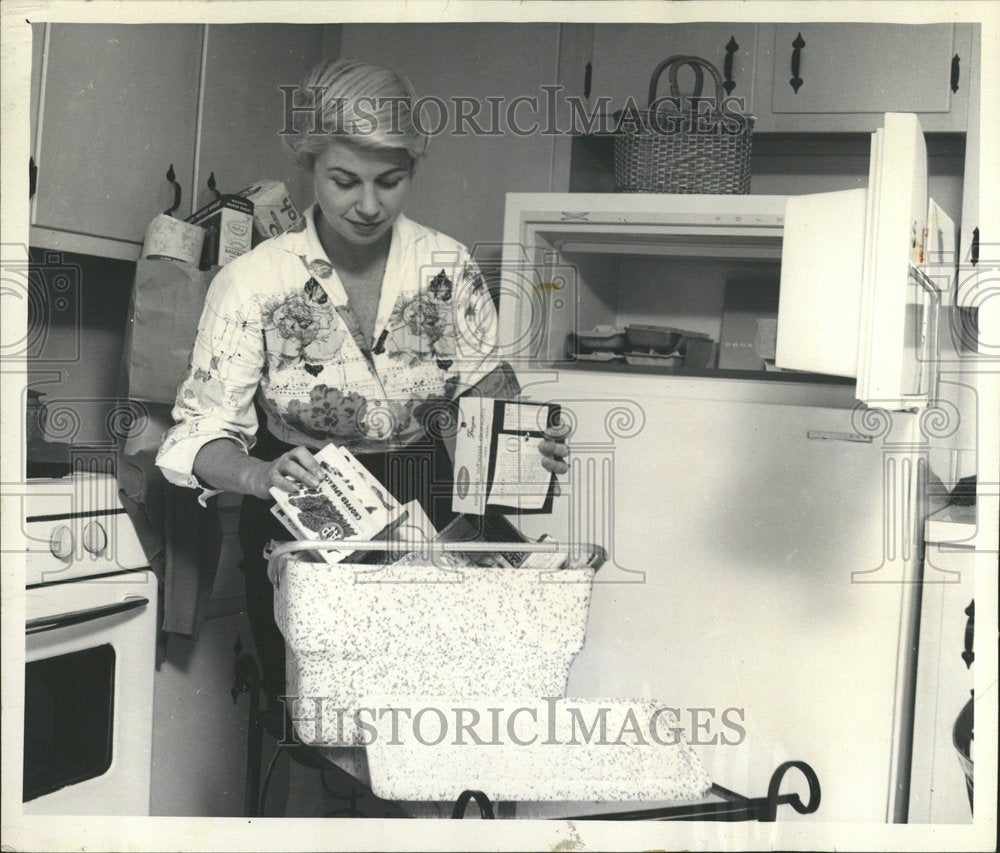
(361,191)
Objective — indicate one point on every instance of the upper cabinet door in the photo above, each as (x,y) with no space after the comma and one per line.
(37,53)
(845,76)
(625,56)
(119,106)
(243,110)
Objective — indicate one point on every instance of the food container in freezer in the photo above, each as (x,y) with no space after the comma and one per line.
(664,339)
(530,749)
(602,339)
(354,633)
(654,359)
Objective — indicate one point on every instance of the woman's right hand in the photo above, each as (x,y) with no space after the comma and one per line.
(288,472)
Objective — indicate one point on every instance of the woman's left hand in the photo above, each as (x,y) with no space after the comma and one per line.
(554,453)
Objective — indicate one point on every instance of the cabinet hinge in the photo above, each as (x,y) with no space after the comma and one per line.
(956,62)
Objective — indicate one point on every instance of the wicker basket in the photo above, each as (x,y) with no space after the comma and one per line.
(673,148)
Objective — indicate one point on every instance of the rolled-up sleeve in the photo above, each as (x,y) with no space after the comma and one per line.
(476,327)
(215,398)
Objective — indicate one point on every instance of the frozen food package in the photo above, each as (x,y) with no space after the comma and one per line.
(498,466)
(345,505)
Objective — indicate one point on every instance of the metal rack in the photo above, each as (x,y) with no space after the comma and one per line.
(730,806)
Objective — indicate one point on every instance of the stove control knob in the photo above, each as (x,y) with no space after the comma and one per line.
(61,542)
(94,537)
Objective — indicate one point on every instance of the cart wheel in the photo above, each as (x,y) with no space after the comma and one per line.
(485,806)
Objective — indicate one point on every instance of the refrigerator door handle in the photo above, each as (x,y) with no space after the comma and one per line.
(827,435)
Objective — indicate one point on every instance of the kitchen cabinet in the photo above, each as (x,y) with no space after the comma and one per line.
(850,73)
(37,43)
(459,187)
(243,109)
(969,235)
(118,105)
(625,55)
(844,76)
(944,685)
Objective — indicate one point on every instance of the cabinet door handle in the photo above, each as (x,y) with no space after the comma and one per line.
(727,66)
(797,46)
(177,191)
(974,247)
(970,629)
(956,63)
(32,177)
(211,186)
(588,74)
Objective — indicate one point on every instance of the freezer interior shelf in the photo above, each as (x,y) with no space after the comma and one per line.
(708,373)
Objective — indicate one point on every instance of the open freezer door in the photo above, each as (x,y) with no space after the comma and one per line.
(822,269)
(854,301)
(899,304)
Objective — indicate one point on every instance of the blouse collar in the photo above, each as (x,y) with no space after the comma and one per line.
(306,244)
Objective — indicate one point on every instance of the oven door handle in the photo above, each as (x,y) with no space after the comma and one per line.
(78,617)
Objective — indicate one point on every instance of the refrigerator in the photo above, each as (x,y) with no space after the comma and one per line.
(763,522)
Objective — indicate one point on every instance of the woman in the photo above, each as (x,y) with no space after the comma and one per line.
(346,329)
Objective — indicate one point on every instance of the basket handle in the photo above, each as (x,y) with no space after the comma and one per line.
(675,63)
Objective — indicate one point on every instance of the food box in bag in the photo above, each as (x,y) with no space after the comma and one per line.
(274,212)
(228,224)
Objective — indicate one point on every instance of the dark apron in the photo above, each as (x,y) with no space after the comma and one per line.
(422,471)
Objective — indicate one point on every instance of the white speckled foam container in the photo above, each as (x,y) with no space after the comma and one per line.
(357,632)
(555,750)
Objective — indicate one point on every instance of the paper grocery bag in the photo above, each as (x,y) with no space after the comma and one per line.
(167,300)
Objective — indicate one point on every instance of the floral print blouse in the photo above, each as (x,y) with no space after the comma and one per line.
(277,325)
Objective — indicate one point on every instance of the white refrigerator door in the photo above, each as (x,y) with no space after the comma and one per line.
(850,304)
(758,578)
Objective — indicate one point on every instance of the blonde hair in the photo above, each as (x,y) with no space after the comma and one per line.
(349,100)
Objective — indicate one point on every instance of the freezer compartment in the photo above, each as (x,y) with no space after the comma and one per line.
(638,291)
(687,263)
(530,749)
(357,632)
